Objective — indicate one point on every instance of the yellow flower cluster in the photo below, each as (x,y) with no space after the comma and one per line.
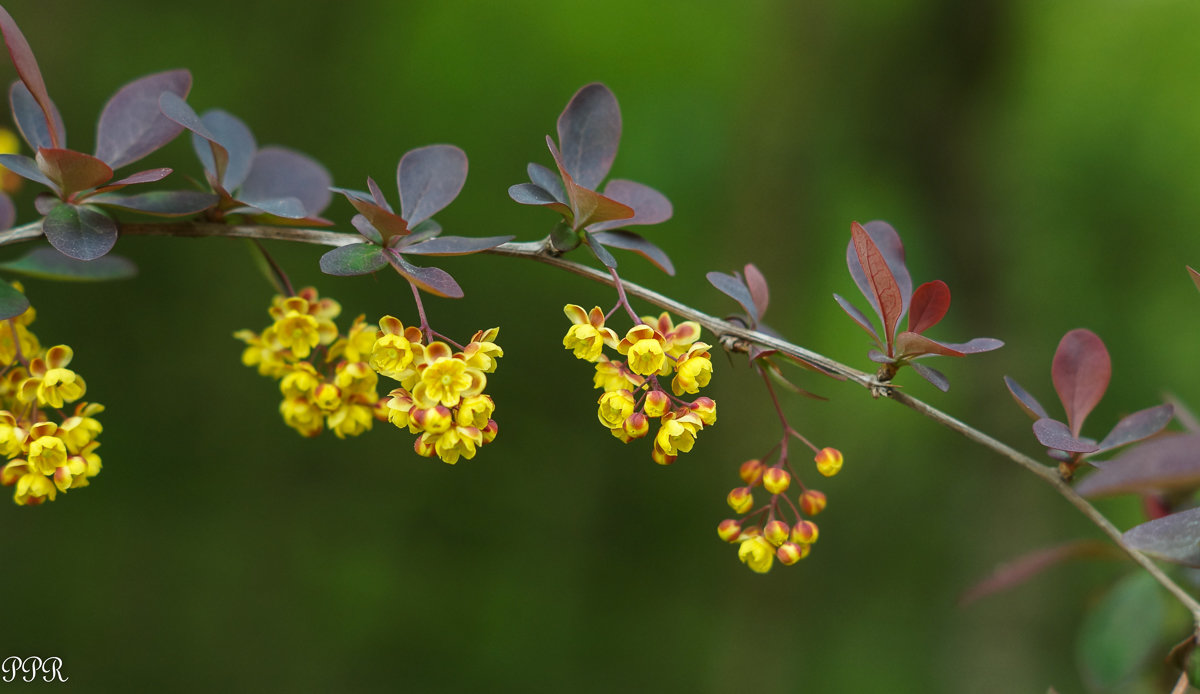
(441,394)
(761,543)
(653,349)
(323,375)
(44,456)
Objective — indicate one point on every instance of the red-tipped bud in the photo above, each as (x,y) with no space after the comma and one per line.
(657,403)
(729,530)
(812,502)
(424,445)
(805,532)
(751,472)
(740,499)
(661,457)
(789,553)
(776,532)
(776,480)
(489,432)
(636,425)
(829,461)
(706,408)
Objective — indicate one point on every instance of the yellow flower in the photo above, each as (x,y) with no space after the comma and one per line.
(676,338)
(757,553)
(399,407)
(12,435)
(587,335)
(352,418)
(355,378)
(82,428)
(475,411)
(615,407)
(447,380)
(482,351)
(32,488)
(47,452)
(392,352)
(693,370)
(50,382)
(26,339)
(675,436)
(613,375)
(357,344)
(301,380)
(644,348)
(303,416)
(458,442)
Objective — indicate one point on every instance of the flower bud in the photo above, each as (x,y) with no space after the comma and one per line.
(805,532)
(657,403)
(776,480)
(489,432)
(812,502)
(706,408)
(661,457)
(776,532)
(789,553)
(751,472)
(829,461)
(757,553)
(729,530)
(636,425)
(740,499)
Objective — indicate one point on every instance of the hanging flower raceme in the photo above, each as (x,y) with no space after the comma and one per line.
(48,451)
(633,395)
(323,375)
(441,396)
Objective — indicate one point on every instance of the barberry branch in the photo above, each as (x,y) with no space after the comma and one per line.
(732,335)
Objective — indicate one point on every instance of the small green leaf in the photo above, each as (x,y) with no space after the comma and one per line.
(564,238)
(47,263)
(12,302)
(1121,632)
(353,259)
(83,232)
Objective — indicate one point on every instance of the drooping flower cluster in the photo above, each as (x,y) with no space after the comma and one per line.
(323,375)
(441,396)
(633,395)
(45,456)
(763,533)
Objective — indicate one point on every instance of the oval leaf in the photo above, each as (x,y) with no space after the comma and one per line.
(287,208)
(757,284)
(975,346)
(1137,426)
(649,206)
(72,171)
(884,291)
(1054,434)
(364,227)
(602,254)
(165,203)
(1174,538)
(735,289)
(353,259)
(430,279)
(31,121)
(1120,633)
(27,70)
(215,157)
(1080,371)
(1168,464)
(547,180)
(387,223)
(859,317)
(47,263)
(132,125)
(12,302)
(935,377)
(429,178)
(83,232)
(629,241)
(453,245)
(589,131)
(235,138)
(277,172)
(531,194)
(888,242)
(25,167)
(587,206)
(1028,404)
(909,344)
(928,306)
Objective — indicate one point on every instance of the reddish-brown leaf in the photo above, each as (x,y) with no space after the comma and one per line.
(589,131)
(1165,465)
(910,344)
(587,206)
(27,70)
(1013,573)
(880,279)
(757,284)
(1195,276)
(73,171)
(928,306)
(1081,371)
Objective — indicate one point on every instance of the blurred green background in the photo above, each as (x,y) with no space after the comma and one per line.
(1041,158)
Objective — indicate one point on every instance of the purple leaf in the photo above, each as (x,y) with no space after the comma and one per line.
(589,131)
(629,241)
(547,180)
(425,230)
(31,121)
(884,290)
(453,245)
(587,206)
(975,346)
(47,263)
(430,279)
(364,227)
(25,167)
(909,344)
(287,208)
(937,378)
(72,171)
(132,125)
(377,195)
(888,242)
(1054,434)
(1174,538)
(147,176)
(928,306)
(1080,371)
(161,203)
(235,138)
(1028,404)
(387,223)
(757,284)
(879,357)
(1019,570)
(859,317)
(8,212)
(1137,426)
(531,194)
(733,287)
(12,302)
(216,158)
(282,173)
(429,178)
(649,206)
(602,254)
(82,232)
(353,259)
(27,70)
(1167,464)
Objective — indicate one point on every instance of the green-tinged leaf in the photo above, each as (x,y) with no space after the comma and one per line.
(31,121)
(884,291)
(453,245)
(629,241)
(25,167)
(1013,573)
(353,259)
(387,223)
(602,254)
(165,203)
(27,69)
(564,238)
(733,287)
(72,171)
(757,284)
(928,306)
(859,317)
(1121,633)
(132,125)
(1080,371)
(12,302)
(1028,404)
(429,279)
(8,212)
(589,130)
(649,206)
(1054,434)
(910,344)
(1169,464)
(83,232)
(587,206)
(47,263)
(279,173)
(429,178)
(1137,426)
(936,378)
(1174,538)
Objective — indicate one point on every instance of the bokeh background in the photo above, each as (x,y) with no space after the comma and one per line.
(1041,158)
